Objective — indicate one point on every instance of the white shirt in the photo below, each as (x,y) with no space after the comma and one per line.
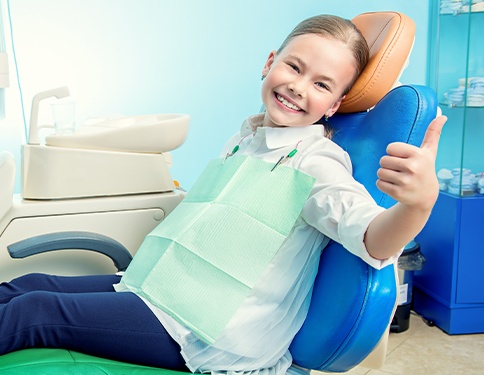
(257,338)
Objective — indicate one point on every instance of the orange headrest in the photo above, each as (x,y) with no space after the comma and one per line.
(390,36)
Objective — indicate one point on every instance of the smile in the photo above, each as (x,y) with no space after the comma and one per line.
(287,104)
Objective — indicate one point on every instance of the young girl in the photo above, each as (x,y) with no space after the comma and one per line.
(304,81)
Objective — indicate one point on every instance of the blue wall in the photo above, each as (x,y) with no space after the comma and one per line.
(135,57)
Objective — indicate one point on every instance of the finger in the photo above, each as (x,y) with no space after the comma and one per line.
(400,150)
(389,188)
(432,135)
(388,175)
(391,163)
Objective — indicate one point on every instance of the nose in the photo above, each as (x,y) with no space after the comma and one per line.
(298,87)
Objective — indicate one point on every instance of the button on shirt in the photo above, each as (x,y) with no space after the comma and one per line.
(257,338)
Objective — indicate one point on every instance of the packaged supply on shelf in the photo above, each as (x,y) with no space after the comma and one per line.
(480,183)
(474,91)
(444,176)
(476,6)
(461,6)
(477,84)
(455,96)
(463,182)
(460,182)
(450,6)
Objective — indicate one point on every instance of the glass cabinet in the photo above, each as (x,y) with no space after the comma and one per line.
(456,72)
(449,289)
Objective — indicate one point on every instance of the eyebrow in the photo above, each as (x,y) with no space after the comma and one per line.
(323,77)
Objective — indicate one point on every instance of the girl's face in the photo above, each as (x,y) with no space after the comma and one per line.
(306,80)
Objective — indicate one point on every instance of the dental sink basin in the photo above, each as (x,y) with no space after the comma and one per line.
(123,156)
(141,134)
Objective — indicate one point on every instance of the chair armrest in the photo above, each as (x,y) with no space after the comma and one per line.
(73,240)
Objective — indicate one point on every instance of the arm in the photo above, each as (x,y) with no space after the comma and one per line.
(407,174)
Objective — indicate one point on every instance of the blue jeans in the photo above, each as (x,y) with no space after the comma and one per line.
(83,314)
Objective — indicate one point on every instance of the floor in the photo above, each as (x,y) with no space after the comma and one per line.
(424,350)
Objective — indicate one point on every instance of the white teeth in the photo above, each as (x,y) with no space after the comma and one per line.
(287,104)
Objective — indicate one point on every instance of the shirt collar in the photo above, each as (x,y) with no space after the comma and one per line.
(279,137)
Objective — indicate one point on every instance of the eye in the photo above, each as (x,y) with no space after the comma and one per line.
(322,85)
(294,67)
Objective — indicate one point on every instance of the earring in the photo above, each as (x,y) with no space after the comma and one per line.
(262,78)
(326,118)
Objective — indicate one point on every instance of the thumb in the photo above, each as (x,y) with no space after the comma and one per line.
(432,135)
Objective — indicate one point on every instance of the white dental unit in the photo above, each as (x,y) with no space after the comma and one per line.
(110,179)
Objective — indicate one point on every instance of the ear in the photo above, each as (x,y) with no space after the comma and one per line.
(268,63)
(332,110)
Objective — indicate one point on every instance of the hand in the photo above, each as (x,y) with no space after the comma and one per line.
(407,173)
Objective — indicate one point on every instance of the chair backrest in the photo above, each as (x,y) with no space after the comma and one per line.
(353,303)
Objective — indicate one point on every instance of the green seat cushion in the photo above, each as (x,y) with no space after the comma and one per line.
(66,362)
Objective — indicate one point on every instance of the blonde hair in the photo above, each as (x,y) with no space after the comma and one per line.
(336,28)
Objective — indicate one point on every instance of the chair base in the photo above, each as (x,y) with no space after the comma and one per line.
(401,319)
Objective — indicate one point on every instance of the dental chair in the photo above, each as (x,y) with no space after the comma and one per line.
(352,304)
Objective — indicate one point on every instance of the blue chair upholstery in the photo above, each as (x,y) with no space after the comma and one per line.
(352,303)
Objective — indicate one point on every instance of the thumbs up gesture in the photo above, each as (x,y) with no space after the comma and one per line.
(407,173)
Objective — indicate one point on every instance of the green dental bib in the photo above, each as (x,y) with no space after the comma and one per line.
(201,262)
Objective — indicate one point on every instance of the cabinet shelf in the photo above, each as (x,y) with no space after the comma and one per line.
(459,13)
(453,105)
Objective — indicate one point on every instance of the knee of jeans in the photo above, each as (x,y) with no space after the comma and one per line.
(36,305)
(30,278)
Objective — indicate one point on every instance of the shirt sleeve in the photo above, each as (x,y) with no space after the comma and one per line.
(339,206)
